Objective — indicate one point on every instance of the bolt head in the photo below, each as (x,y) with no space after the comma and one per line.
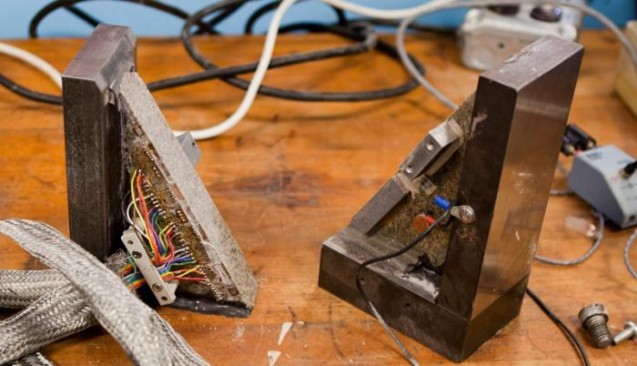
(592,310)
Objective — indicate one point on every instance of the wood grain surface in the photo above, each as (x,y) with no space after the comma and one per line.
(293,174)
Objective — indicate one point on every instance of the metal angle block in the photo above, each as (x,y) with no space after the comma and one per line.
(92,131)
(113,128)
(465,280)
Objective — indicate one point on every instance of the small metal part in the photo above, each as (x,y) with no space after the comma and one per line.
(629,332)
(465,213)
(469,280)
(189,145)
(430,154)
(594,319)
(163,293)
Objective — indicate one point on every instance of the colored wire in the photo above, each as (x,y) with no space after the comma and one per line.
(577,345)
(367,263)
(599,238)
(158,240)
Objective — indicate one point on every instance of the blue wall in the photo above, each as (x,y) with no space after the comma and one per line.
(16,15)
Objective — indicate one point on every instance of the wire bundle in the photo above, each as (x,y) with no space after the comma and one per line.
(158,236)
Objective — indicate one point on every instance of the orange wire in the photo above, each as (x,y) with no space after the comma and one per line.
(142,203)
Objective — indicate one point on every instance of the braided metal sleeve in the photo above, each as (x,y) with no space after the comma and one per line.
(18,289)
(35,359)
(58,314)
(145,337)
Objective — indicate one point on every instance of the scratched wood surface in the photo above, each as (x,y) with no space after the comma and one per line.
(292,174)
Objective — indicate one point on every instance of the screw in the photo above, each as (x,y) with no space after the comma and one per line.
(466,214)
(157,287)
(629,332)
(594,319)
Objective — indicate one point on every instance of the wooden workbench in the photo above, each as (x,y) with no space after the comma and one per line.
(293,174)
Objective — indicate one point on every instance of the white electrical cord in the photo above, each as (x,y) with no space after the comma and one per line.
(408,15)
(268,49)
(413,71)
(33,60)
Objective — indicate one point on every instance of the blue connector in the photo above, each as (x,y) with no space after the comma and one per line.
(442,202)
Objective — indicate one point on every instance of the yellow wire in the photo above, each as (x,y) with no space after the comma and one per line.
(161,238)
(132,193)
(188,271)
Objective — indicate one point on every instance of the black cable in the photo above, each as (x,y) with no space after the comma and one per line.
(54,5)
(362,46)
(295,94)
(364,37)
(367,263)
(342,20)
(28,93)
(629,169)
(451,31)
(212,23)
(257,14)
(81,14)
(577,345)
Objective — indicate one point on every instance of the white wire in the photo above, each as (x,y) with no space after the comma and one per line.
(132,223)
(255,83)
(268,48)
(408,15)
(411,68)
(33,60)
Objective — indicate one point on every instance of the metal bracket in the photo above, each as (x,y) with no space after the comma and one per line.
(164,292)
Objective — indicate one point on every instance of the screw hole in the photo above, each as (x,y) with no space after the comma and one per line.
(501,45)
(164,298)
(136,254)
(130,242)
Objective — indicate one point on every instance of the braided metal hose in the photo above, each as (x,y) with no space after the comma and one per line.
(59,314)
(36,359)
(18,289)
(94,291)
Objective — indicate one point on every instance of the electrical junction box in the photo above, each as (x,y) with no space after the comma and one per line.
(490,35)
(597,178)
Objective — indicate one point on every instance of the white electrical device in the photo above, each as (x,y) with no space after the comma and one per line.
(490,35)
